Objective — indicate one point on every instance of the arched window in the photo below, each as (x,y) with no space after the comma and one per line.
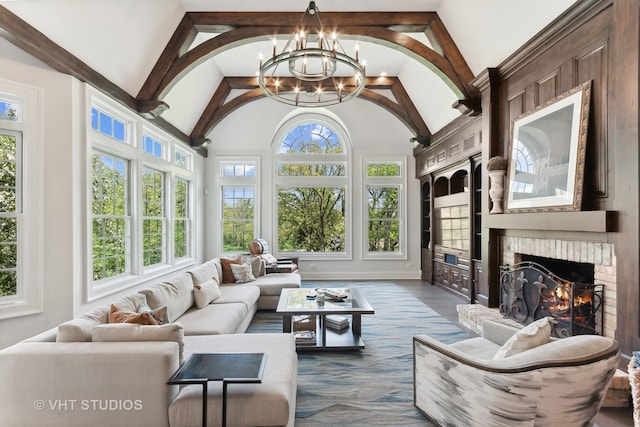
(312,164)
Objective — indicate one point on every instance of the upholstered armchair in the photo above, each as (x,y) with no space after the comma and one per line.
(496,380)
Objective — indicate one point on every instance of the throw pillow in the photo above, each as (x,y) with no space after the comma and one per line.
(204,272)
(205,293)
(160,314)
(118,315)
(256,265)
(227,274)
(242,273)
(531,336)
(125,332)
(270,259)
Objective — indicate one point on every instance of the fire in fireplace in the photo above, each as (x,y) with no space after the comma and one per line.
(530,292)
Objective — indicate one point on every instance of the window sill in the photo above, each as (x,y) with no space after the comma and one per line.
(19,308)
(109,287)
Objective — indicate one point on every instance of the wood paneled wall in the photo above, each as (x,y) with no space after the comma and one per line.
(597,40)
(580,56)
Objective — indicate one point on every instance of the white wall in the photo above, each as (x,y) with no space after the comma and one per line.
(373,131)
(58,198)
(63,198)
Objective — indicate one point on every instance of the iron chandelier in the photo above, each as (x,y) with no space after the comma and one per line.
(320,71)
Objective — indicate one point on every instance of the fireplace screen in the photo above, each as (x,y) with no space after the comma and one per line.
(528,292)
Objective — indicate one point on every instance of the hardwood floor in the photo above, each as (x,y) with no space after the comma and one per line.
(445,302)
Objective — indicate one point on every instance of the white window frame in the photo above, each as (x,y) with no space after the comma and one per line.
(236,181)
(188,219)
(127,218)
(331,182)
(164,219)
(138,160)
(29,299)
(385,181)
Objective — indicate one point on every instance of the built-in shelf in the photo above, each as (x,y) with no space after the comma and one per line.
(587,221)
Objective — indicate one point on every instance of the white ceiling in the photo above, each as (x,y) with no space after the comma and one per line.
(122,40)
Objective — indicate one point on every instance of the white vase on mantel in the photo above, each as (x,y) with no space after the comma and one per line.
(496,190)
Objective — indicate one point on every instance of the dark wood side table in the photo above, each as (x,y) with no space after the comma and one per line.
(200,368)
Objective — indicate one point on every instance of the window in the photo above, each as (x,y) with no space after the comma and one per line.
(108,125)
(9,111)
(238,212)
(21,200)
(182,221)
(10,211)
(111,219)
(152,146)
(153,218)
(141,200)
(238,189)
(385,186)
(182,160)
(311,187)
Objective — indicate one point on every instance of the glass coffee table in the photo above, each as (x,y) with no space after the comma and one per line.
(301,302)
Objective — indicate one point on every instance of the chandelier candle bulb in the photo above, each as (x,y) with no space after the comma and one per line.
(275,42)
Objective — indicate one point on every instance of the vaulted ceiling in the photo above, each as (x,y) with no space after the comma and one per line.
(187,65)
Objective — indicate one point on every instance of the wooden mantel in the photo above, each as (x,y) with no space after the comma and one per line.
(587,221)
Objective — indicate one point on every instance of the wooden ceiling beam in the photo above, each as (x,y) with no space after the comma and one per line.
(160,86)
(217,108)
(290,19)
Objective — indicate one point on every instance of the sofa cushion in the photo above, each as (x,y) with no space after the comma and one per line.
(125,332)
(227,274)
(270,403)
(119,315)
(203,273)
(477,347)
(242,273)
(214,319)
(206,293)
(176,294)
(532,335)
(80,328)
(132,302)
(272,284)
(246,293)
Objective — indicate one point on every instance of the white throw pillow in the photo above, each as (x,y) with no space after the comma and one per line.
(242,273)
(531,336)
(205,293)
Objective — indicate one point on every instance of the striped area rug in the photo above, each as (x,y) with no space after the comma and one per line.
(374,386)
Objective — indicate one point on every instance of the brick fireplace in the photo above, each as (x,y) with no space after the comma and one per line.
(601,255)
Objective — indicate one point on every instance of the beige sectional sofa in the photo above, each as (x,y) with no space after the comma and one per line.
(88,371)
